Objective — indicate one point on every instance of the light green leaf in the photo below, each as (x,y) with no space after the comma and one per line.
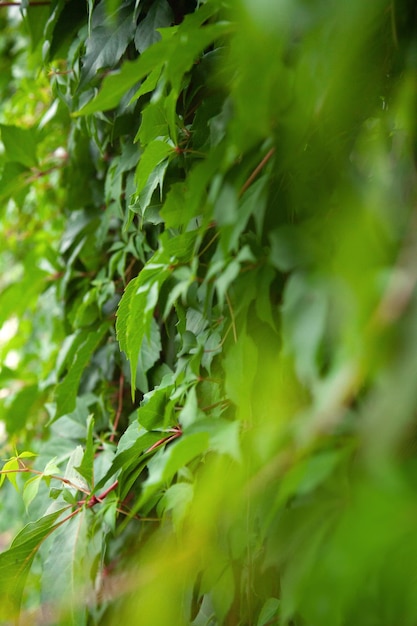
(269,611)
(163,467)
(153,155)
(51,467)
(30,490)
(16,561)
(86,467)
(148,356)
(135,312)
(71,472)
(177,499)
(20,144)
(66,570)
(67,390)
(154,123)
(10,471)
(155,180)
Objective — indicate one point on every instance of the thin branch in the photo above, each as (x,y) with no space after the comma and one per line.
(256,171)
(29,470)
(30,4)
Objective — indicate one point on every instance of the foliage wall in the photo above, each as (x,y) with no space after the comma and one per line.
(209,319)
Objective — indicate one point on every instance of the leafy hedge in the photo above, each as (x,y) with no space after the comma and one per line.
(209,346)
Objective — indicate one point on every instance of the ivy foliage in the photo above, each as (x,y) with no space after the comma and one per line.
(208,342)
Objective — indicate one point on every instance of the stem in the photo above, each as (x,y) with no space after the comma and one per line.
(19,4)
(212,240)
(256,171)
(96,499)
(29,470)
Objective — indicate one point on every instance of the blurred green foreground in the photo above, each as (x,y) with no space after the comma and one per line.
(266,182)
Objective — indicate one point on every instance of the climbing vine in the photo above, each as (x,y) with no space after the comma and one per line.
(208,312)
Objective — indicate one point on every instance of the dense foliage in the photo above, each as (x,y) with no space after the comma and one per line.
(208,245)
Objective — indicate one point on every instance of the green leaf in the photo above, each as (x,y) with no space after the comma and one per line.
(153,155)
(36,18)
(67,390)
(16,561)
(152,408)
(223,435)
(66,575)
(86,467)
(159,15)
(177,498)
(269,612)
(144,198)
(304,321)
(108,40)
(71,471)
(10,472)
(20,144)
(30,490)
(164,466)
(154,123)
(135,312)
(148,356)
(177,51)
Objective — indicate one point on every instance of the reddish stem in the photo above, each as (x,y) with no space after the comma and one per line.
(256,171)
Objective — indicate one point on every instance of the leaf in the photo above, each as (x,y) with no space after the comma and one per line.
(163,467)
(71,471)
(185,43)
(135,311)
(155,180)
(269,612)
(107,42)
(16,561)
(66,575)
(177,498)
(86,467)
(153,155)
(154,123)
(14,181)
(148,356)
(304,316)
(223,435)
(159,15)
(20,144)
(36,18)
(152,408)
(67,390)
(30,490)
(10,472)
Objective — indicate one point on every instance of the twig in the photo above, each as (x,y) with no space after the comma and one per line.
(256,171)
(29,470)
(30,4)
